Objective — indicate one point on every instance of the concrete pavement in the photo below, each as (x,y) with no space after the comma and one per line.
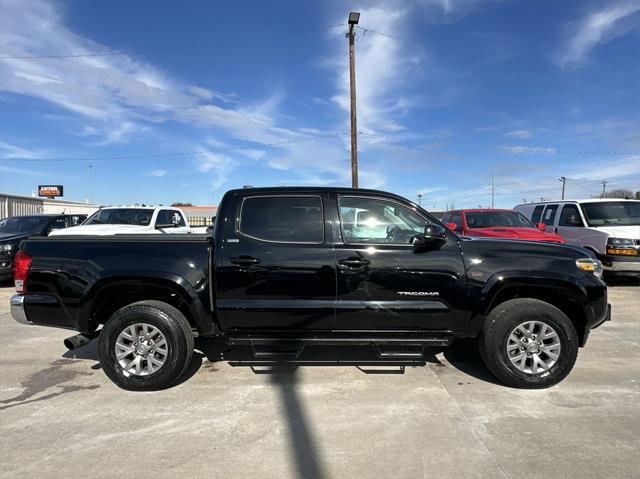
(61,417)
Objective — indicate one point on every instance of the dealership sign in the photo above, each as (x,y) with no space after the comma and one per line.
(50,191)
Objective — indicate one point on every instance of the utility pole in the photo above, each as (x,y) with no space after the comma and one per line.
(564,181)
(90,182)
(419,199)
(493,186)
(604,187)
(354,17)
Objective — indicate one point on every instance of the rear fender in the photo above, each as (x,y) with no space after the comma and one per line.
(198,316)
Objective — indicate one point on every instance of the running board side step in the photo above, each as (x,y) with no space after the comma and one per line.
(402,349)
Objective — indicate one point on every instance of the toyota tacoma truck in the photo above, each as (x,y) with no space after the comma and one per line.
(289,267)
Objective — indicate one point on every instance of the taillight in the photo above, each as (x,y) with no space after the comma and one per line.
(21,265)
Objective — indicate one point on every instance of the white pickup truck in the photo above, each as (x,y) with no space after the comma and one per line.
(116,220)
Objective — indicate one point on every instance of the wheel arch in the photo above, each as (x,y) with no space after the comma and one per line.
(565,295)
(108,294)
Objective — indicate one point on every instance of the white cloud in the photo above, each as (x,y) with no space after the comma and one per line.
(451,10)
(517,149)
(612,20)
(9,151)
(523,134)
(158,173)
(117,98)
(384,68)
(216,165)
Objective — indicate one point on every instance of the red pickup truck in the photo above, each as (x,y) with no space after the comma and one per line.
(498,224)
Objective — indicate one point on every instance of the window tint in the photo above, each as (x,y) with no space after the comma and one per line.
(121,216)
(25,224)
(491,219)
(550,215)
(610,213)
(290,219)
(57,224)
(570,216)
(170,217)
(537,214)
(457,219)
(375,221)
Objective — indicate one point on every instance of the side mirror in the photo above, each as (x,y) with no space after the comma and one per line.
(541,226)
(452,226)
(434,237)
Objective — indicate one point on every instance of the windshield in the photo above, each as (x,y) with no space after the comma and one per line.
(26,224)
(490,219)
(612,213)
(124,216)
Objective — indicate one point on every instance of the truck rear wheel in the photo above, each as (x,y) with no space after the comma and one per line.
(146,346)
(527,343)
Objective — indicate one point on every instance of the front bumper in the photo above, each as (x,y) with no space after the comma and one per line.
(6,269)
(18,311)
(621,264)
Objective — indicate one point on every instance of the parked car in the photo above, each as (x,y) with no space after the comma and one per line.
(287,267)
(16,228)
(132,220)
(608,227)
(497,223)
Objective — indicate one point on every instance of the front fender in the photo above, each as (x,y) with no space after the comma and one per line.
(538,285)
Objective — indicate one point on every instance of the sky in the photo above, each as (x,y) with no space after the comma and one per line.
(157,102)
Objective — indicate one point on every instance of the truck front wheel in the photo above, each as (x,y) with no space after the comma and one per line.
(528,343)
(146,346)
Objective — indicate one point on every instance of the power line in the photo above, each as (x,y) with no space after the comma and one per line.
(523,62)
(171,49)
(184,153)
(512,148)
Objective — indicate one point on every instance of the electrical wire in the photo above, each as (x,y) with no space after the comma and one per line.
(523,62)
(171,49)
(184,153)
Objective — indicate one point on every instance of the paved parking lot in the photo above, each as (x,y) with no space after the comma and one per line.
(61,417)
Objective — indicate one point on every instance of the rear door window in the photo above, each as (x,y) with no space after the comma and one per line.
(549,215)
(283,219)
(537,214)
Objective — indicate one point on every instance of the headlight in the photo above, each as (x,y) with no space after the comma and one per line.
(590,265)
(621,246)
(6,247)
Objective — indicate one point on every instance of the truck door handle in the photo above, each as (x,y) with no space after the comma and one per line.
(354,262)
(244,260)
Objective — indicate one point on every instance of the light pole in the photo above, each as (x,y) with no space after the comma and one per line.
(564,181)
(419,199)
(354,17)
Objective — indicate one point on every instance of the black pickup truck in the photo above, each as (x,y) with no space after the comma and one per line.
(299,266)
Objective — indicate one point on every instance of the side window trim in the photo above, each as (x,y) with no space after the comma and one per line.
(238,222)
(533,218)
(550,207)
(389,200)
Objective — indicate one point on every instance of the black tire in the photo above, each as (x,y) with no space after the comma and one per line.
(170,322)
(503,319)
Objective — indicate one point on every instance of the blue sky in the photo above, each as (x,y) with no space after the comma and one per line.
(216,95)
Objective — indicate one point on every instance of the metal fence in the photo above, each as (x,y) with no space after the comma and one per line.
(199,221)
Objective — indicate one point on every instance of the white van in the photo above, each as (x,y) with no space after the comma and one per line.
(608,227)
